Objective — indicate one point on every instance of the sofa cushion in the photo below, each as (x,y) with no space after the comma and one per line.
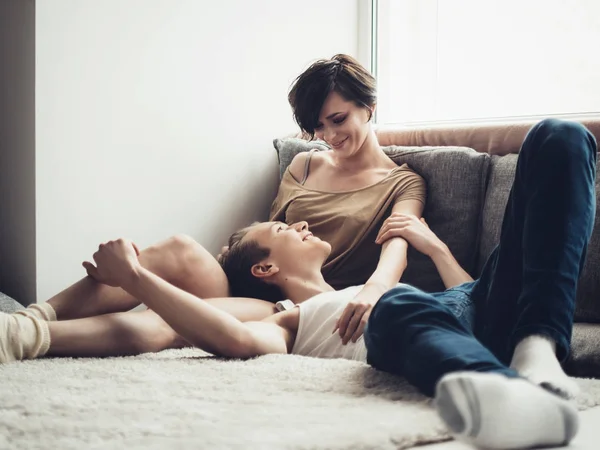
(9,305)
(588,292)
(455,178)
(502,174)
(287,148)
(584,360)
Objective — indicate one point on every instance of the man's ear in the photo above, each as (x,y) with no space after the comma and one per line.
(264,270)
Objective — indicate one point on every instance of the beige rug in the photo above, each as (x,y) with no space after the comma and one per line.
(181,399)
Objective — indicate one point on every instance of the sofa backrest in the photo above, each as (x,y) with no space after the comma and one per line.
(496,139)
(500,179)
(502,173)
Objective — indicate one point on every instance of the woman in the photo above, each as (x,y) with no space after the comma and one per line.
(526,297)
(344,194)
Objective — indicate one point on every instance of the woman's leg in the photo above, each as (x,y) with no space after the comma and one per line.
(179,260)
(528,285)
(414,334)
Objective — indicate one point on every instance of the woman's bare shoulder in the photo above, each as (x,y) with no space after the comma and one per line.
(298,164)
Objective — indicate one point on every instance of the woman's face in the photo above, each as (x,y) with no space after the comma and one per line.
(343,125)
(290,245)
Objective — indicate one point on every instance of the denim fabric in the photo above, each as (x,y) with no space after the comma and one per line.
(459,301)
(528,285)
(422,337)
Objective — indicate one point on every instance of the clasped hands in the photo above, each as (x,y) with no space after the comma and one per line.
(116,263)
(355,316)
(415,230)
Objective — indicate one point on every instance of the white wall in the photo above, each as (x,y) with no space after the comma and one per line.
(156,117)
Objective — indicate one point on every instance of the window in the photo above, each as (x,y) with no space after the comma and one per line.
(474,60)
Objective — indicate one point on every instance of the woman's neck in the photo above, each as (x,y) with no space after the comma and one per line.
(299,289)
(369,156)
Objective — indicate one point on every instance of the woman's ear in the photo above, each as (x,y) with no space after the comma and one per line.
(264,270)
(372,109)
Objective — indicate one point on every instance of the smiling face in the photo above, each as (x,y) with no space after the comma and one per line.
(339,84)
(343,125)
(293,248)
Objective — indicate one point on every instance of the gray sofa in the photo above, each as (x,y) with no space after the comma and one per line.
(467,191)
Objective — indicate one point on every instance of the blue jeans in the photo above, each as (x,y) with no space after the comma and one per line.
(527,286)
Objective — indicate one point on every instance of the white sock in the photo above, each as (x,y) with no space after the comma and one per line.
(492,411)
(535,359)
(42,311)
(22,337)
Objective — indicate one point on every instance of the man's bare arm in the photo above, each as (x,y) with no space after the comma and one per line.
(202,324)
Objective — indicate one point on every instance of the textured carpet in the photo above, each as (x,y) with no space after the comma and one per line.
(183,399)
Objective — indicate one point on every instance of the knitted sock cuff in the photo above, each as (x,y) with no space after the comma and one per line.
(42,311)
(48,310)
(42,343)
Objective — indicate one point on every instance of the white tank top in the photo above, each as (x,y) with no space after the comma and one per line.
(317,319)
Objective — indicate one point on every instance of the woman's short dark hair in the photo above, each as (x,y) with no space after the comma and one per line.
(342,74)
(237,264)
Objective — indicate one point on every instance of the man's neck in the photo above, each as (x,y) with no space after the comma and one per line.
(300,289)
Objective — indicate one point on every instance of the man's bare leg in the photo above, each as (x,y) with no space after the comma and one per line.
(125,333)
(179,260)
(117,334)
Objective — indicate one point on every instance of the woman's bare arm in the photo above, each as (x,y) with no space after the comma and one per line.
(419,235)
(393,259)
(391,266)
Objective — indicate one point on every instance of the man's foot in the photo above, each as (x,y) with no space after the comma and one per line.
(535,359)
(492,411)
(22,337)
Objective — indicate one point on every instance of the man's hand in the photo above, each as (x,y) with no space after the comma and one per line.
(116,263)
(414,230)
(353,320)
(224,252)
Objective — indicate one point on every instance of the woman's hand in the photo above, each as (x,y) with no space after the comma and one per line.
(116,263)
(414,230)
(353,320)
